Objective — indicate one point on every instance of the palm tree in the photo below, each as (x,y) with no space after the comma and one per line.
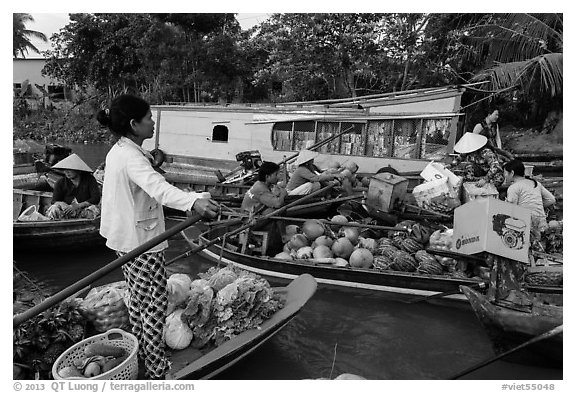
(524,50)
(21,36)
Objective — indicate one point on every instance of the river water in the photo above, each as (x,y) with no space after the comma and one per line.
(375,335)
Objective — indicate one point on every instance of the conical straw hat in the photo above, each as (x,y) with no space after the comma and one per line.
(305,156)
(73,162)
(470,142)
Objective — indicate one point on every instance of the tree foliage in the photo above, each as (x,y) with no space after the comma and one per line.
(294,57)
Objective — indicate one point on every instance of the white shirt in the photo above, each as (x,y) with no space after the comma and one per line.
(132,197)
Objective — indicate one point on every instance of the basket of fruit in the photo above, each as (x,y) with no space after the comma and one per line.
(110,355)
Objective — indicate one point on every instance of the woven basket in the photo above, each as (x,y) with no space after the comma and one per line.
(126,370)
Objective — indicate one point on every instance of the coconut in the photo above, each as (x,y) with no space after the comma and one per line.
(313,229)
(323,241)
(298,241)
(346,173)
(342,248)
(367,243)
(339,220)
(284,256)
(352,233)
(304,253)
(322,252)
(361,257)
(340,262)
(351,166)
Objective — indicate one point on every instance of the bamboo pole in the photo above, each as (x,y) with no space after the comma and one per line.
(91,278)
(258,220)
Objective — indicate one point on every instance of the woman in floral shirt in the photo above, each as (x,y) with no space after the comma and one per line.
(480,163)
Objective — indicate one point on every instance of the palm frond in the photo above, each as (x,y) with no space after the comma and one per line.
(517,37)
(542,73)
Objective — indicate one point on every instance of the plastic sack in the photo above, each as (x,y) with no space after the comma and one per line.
(32,214)
(106,306)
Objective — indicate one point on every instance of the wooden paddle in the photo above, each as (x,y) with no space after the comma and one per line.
(317,145)
(293,156)
(295,209)
(91,278)
(543,336)
(257,220)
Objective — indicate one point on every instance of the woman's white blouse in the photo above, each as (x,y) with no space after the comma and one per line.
(132,197)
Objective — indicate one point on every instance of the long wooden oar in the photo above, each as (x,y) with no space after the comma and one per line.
(91,278)
(317,145)
(295,209)
(293,156)
(543,336)
(258,220)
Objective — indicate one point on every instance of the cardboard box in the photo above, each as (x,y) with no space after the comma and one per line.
(438,190)
(491,225)
(385,191)
(470,192)
(436,171)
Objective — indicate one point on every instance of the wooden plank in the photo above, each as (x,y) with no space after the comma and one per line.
(16,205)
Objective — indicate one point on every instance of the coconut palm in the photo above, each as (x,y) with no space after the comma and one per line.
(523,50)
(21,35)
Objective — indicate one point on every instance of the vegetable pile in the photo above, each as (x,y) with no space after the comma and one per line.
(342,245)
(219,305)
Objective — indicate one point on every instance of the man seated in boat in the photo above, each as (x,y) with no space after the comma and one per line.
(265,195)
(307,177)
(77,194)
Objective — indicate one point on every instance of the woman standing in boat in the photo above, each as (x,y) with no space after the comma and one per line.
(528,193)
(132,198)
(76,195)
(307,178)
(489,128)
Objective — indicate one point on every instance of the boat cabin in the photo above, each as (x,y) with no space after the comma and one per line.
(405,130)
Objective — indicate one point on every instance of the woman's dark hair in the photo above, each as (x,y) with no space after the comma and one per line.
(517,167)
(267,168)
(123,109)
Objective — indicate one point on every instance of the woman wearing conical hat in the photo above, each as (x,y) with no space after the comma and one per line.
(77,194)
(479,160)
(307,178)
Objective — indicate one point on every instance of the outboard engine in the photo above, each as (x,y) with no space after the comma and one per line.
(249,160)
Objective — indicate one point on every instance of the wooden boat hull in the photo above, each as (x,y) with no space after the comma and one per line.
(193,364)
(508,328)
(56,234)
(369,279)
(30,235)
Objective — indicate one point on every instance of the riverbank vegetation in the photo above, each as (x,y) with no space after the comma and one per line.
(510,60)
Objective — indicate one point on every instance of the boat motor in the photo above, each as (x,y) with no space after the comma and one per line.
(249,160)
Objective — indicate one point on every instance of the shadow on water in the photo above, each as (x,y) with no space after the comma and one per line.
(375,335)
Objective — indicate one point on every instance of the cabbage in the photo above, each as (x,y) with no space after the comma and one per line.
(177,333)
(222,278)
(178,287)
(244,303)
(197,311)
